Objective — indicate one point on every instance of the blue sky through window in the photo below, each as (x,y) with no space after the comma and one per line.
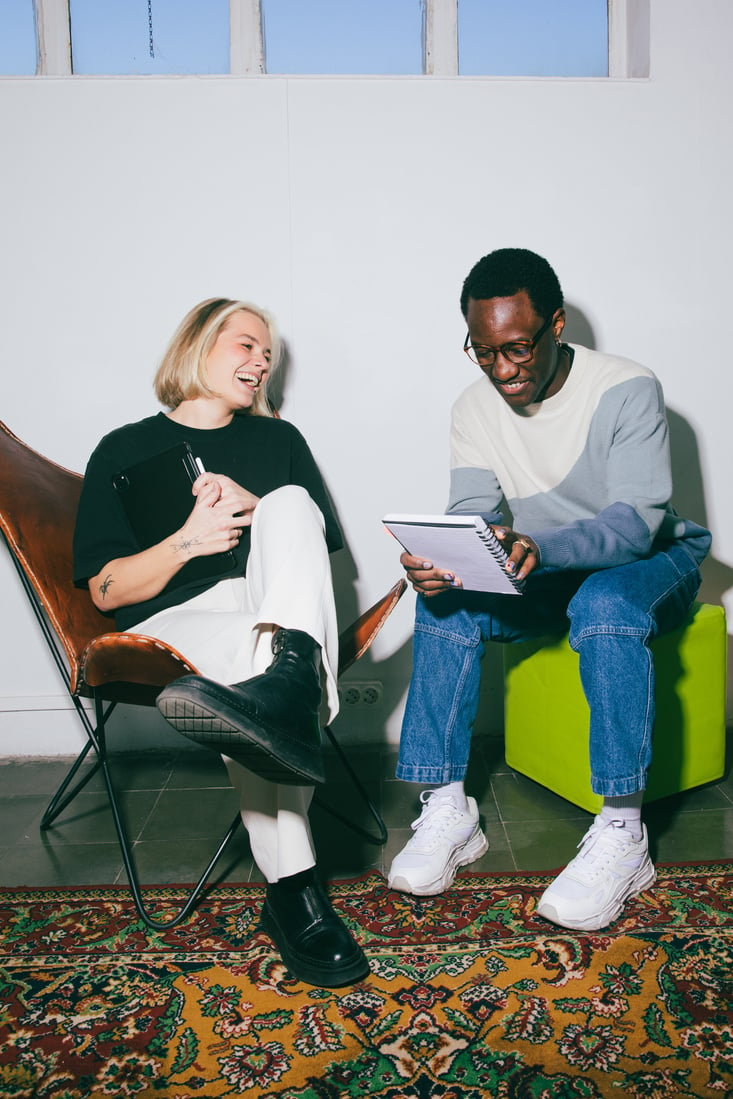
(495,37)
(343,36)
(113,36)
(533,37)
(17,38)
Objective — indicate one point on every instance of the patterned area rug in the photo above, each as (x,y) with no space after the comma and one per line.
(470,995)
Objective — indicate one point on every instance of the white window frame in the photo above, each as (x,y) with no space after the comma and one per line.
(628,38)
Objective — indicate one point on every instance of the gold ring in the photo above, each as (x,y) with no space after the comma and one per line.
(525,543)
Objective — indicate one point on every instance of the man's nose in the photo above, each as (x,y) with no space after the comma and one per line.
(502,368)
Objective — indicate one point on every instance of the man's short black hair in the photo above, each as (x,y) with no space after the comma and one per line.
(505,272)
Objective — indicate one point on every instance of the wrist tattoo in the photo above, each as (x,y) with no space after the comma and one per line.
(104,586)
(185,544)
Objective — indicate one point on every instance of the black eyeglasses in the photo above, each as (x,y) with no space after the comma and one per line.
(518,352)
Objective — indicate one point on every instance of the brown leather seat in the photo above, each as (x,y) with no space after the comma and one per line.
(38,503)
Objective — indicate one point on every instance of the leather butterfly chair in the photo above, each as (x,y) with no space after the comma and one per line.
(38,502)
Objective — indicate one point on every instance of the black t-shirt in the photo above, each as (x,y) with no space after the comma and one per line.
(259,453)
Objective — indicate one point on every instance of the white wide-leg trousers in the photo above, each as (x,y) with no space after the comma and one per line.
(227,633)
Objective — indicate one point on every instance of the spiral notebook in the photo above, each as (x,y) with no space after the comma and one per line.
(156,496)
(463,544)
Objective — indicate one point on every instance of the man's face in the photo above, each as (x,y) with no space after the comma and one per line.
(495,322)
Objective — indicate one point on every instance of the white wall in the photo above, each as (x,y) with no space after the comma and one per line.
(353,208)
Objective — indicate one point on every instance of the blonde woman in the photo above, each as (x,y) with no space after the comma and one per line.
(263,633)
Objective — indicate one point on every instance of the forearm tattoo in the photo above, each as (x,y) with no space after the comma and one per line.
(105,585)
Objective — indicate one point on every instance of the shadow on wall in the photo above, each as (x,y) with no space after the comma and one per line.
(689,500)
(688,493)
(392,672)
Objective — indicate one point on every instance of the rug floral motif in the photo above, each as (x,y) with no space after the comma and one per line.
(470,995)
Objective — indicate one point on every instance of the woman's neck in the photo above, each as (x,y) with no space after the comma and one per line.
(202,413)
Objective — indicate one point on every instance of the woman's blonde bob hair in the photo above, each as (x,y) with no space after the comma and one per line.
(181,375)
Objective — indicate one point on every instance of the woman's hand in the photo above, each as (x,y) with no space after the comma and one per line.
(231,497)
(524,554)
(222,509)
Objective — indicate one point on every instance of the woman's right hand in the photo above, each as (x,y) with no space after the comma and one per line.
(209,529)
(143,575)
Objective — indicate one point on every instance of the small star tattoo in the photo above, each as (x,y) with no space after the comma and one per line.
(185,544)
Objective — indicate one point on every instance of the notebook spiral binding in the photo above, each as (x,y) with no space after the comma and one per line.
(498,552)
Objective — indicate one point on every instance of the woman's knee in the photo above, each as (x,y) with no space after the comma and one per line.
(291,502)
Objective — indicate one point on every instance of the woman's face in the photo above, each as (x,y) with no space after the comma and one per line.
(239,361)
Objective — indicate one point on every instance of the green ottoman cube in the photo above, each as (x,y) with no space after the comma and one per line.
(546,716)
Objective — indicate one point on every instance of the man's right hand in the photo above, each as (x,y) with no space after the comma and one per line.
(425,578)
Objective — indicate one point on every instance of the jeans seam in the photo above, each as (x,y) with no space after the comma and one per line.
(630,631)
(450,724)
(639,778)
(460,639)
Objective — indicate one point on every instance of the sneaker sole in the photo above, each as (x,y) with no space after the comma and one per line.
(474,847)
(644,879)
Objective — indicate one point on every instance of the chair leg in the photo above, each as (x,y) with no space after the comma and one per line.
(379,840)
(61,798)
(97,740)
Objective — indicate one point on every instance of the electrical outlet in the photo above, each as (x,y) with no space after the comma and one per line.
(365,694)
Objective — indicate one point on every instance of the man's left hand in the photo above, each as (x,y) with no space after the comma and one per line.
(524,554)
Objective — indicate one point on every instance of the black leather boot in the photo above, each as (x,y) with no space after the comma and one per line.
(313,941)
(268,723)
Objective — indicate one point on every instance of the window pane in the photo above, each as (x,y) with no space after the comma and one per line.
(17,38)
(342,36)
(533,37)
(114,36)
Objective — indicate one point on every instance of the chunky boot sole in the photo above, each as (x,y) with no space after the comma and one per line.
(314,972)
(202,717)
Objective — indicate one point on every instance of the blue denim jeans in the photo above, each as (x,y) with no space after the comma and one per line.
(612,614)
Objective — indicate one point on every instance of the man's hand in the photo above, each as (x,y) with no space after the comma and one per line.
(426,579)
(524,554)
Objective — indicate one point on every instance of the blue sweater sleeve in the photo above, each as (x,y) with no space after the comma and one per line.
(633,454)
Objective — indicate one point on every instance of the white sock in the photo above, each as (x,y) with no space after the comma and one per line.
(627,809)
(457,791)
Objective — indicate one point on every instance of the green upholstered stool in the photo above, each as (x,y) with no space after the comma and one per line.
(546,715)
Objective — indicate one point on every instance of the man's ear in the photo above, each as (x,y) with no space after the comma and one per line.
(558,325)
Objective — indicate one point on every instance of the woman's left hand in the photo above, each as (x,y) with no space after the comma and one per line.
(234,499)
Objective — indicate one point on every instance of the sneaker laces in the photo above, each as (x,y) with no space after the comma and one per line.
(438,814)
(603,843)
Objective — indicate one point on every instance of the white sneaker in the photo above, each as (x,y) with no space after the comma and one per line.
(611,867)
(446,837)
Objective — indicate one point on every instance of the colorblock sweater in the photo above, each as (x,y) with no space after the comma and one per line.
(585,473)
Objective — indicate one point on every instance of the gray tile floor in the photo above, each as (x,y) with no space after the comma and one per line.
(178,804)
